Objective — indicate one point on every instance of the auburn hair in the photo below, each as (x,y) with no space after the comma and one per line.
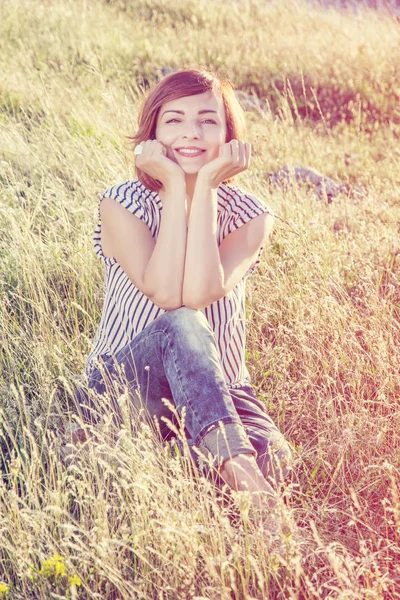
(186,82)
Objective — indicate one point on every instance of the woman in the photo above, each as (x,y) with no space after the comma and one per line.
(177,244)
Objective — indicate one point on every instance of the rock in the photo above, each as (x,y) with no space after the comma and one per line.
(325,187)
(250,102)
(167,71)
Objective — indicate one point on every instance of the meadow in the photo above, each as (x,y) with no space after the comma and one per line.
(122,521)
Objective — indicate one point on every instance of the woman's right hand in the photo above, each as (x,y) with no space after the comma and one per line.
(153,161)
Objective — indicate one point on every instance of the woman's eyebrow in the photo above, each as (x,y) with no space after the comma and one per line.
(181,112)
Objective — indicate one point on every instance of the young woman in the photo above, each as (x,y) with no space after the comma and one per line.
(177,244)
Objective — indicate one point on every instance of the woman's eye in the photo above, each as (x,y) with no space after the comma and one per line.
(203,122)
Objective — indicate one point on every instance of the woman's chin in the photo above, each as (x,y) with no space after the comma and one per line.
(190,171)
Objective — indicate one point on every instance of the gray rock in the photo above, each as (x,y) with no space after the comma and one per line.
(251,102)
(325,187)
(167,71)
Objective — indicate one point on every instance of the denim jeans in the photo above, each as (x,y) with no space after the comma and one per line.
(176,358)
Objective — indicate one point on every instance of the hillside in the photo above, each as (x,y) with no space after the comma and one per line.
(323,310)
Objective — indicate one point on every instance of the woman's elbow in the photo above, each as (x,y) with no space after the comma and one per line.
(198,303)
(166,303)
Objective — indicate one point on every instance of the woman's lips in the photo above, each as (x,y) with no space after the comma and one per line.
(189,152)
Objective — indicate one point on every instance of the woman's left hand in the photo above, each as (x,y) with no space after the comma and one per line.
(234,157)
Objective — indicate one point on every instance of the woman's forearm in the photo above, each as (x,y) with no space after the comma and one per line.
(203,274)
(164,272)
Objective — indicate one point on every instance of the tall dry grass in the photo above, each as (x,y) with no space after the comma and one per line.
(123,520)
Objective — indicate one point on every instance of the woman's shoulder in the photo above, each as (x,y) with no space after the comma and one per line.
(129,189)
(236,200)
(136,198)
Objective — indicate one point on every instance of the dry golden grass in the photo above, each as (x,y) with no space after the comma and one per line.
(324,318)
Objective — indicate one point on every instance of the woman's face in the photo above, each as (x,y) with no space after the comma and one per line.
(192,129)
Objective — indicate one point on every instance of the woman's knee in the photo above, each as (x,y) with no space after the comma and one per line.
(185,316)
(187,322)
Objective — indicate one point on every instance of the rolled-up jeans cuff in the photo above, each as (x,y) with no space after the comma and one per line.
(225,441)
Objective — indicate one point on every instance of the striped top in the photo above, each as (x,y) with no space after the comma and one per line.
(127,311)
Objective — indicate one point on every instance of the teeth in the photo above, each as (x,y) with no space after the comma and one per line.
(190,150)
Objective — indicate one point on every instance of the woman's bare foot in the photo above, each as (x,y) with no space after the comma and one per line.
(268,513)
(241,473)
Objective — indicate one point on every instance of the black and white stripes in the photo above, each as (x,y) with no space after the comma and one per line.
(127,311)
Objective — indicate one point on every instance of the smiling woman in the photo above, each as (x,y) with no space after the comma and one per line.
(177,245)
(163,105)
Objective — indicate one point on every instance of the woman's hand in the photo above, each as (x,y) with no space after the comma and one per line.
(234,157)
(154,162)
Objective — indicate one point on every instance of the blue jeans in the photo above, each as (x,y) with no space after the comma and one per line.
(175,357)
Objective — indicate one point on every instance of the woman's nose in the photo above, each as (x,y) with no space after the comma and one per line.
(192,130)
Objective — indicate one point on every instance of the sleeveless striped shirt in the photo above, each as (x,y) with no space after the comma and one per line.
(127,311)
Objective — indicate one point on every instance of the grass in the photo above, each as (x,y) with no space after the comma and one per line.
(123,521)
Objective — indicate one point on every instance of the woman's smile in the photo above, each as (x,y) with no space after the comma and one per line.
(189,152)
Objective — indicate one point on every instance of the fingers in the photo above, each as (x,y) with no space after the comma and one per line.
(238,154)
(149,154)
(153,160)
(234,157)
(149,149)
(247,151)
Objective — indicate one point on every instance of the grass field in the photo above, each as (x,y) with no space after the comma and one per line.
(123,521)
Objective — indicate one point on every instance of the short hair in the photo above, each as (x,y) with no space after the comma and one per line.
(186,82)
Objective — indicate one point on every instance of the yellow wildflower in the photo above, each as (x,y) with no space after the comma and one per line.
(53,566)
(4,589)
(60,569)
(74,580)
